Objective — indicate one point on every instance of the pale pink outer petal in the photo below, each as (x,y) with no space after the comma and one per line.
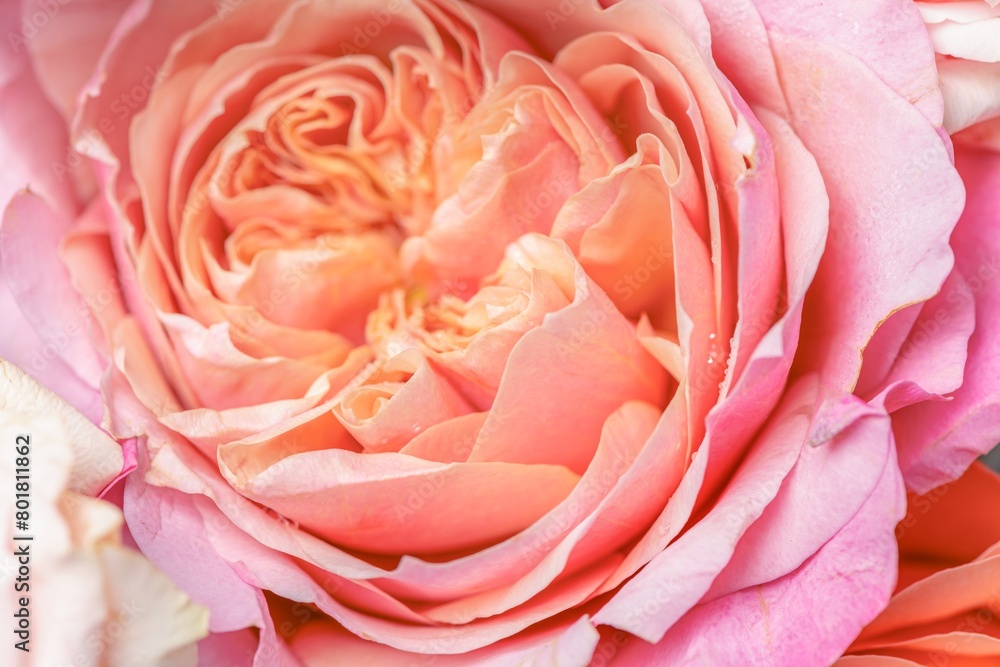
(33,137)
(88,257)
(937,441)
(830,483)
(36,276)
(56,315)
(20,345)
(966,29)
(892,211)
(809,616)
(944,324)
(742,52)
(97,458)
(886,36)
(971,91)
(67,47)
(136,48)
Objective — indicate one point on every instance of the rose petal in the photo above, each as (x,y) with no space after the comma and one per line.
(324,643)
(674,581)
(764,624)
(363,500)
(970,92)
(66,49)
(828,485)
(871,202)
(41,285)
(937,441)
(949,525)
(22,347)
(908,69)
(591,337)
(36,159)
(96,457)
(388,405)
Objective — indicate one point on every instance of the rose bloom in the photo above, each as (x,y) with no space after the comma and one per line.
(79,596)
(464,333)
(947,608)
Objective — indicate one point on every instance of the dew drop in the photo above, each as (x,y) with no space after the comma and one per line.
(384,441)
(714,353)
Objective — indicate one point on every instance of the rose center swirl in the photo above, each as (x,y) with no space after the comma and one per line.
(431,261)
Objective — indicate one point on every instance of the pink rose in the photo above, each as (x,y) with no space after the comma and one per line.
(502,333)
(76,595)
